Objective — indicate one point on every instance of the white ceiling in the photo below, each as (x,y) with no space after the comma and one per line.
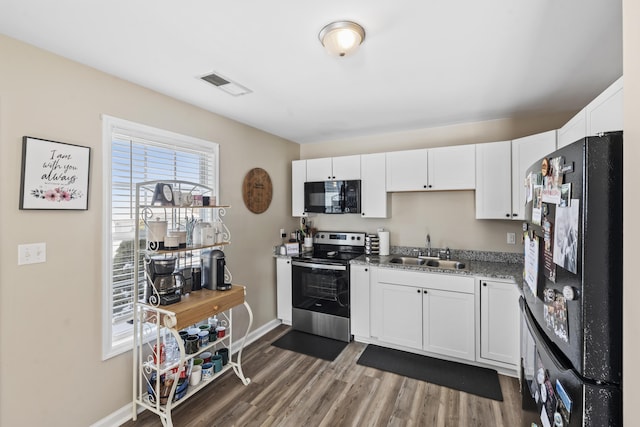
(424,63)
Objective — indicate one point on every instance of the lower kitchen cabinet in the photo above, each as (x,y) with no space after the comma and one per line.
(430,312)
(283,280)
(360,300)
(449,323)
(499,322)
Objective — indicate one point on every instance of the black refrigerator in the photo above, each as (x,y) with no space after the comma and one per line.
(571,304)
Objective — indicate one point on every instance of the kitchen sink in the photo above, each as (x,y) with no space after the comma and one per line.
(429,262)
(408,260)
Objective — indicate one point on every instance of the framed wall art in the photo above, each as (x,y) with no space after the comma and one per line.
(55,175)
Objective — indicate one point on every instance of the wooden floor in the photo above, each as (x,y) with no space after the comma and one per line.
(291,389)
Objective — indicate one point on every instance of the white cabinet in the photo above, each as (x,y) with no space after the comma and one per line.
(449,323)
(298,178)
(605,113)
(452,168)
(333,168)
(374,199)
(283,284)
(499,322)
(360,300)
(493,180)
(442,168)
(524,152)
(425,311)
(399,320)
(407,170)
(573,130)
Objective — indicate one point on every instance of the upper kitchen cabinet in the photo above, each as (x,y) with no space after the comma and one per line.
(298,178)
(333,168)
(524,152)
(493,180)
(603,114)
(375,201)
(443,168)
(500,169)
(407,170)
(452,168)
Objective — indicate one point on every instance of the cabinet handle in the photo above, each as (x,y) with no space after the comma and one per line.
(362,213)
(425,291)
(366,269)
(430,185)
(424,186)
(419,291)
(484,283)
(515,215)
(508,215)
(287,262)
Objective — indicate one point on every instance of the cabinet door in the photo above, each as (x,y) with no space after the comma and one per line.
(573,130)
(493,180)
(375,200)
(399,320)
(283,276)
(298,177)
(499,322)
(407,170)
(452,168)
(524,152)
(449,323)
(319,169)
(605,113)
(360,301)
(346,167)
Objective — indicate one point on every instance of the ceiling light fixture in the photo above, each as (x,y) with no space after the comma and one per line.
(341,38)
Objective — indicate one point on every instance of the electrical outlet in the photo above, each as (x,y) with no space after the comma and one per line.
(511,238)
(32,253)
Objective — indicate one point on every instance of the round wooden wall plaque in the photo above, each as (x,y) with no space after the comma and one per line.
(257,190)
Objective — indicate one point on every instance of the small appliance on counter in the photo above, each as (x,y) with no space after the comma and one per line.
(164,284)
(213,263)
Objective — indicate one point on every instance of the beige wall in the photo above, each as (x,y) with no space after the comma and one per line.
(448,216)
(50,314)
(631,291)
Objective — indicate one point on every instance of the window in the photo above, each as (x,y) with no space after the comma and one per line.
(135,153)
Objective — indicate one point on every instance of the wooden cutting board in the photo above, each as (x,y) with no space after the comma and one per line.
(257,190)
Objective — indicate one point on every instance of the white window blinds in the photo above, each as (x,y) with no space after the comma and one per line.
(137,155)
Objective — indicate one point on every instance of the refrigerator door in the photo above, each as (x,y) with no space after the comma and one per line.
(554,394)
(579,311)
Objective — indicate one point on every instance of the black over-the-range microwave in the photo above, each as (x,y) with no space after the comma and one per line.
(332,197)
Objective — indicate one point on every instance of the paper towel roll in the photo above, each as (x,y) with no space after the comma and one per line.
(384,242)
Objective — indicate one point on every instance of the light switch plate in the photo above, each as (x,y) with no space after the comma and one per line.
(32,253)
(511,238)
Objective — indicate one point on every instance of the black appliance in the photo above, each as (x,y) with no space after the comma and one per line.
(320,285)
(571,307)
(332,197)
(163,283)
(213,274)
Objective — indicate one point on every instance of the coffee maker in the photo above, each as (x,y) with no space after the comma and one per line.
(213,271)
(164,284)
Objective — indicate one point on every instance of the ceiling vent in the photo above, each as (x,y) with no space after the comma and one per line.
(225,84)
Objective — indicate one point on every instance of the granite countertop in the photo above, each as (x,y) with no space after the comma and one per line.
(491,267)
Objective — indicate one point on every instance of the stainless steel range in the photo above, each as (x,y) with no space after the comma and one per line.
(320,285)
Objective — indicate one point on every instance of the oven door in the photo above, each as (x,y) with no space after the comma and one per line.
(319,287)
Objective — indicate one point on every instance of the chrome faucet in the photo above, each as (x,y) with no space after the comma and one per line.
(428,245)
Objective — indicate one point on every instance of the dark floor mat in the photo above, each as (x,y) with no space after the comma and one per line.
(311,345)
(470,379)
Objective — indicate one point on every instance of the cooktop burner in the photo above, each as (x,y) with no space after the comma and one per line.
(335,246)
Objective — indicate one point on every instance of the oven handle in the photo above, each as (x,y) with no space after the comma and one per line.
(320,266)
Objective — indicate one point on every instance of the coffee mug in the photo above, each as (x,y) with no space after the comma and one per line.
(217,363)
(196,375)
(191,344)
(224,352)
(183,334)
(203,336)
(193,331)
(221,331)
(206,356)
(207,371)
(198,361)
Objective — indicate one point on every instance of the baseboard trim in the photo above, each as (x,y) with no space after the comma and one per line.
(124,414)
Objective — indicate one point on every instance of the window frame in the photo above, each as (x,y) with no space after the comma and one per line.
(111,345)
